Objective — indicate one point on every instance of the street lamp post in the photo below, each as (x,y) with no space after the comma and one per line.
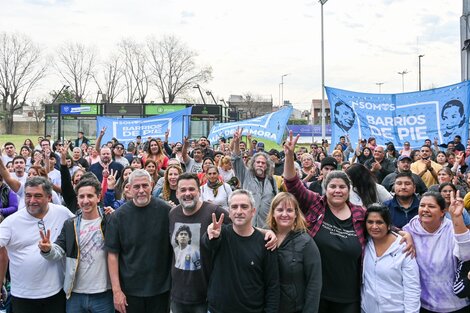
(282,89)
(323,122)
(380,86)
(419,70)
(403,73)
(200,92)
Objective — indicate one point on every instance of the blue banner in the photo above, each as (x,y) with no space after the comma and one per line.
(306,130)
(127,129)
(270,126)
(440,113)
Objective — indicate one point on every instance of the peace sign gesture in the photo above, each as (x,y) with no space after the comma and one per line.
(289,146)
(213,230)
(111,179)
(45,242)
(456,206)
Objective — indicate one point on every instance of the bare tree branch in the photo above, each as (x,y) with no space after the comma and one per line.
(76,65)
(134,70)
(21,68)
(173,67)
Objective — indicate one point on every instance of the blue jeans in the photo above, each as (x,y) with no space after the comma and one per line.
(94,303)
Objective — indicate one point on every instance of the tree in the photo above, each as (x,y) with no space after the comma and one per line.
(174,67)
(76,65)
(38,112)
(21,68)
(112,72)
(134,70)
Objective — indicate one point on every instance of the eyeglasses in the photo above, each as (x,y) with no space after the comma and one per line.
(41,226)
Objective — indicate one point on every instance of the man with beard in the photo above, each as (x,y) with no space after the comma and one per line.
(425,167)
(105,165)
(203,143)
(256,177)
(245,277)
(404,205)
(36,284)
(139,250)
(403,166)
(188,222)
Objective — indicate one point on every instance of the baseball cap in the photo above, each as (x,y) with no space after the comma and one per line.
(403,157)
(329,161)
(260,145)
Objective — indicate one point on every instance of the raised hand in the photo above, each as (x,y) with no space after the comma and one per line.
(456,206)
(213,230)
(111,179)
(45,242)
(289,146)
(103,131)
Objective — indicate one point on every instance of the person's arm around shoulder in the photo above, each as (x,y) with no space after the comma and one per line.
(313,276)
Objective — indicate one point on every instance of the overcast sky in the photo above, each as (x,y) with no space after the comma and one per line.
(251,43)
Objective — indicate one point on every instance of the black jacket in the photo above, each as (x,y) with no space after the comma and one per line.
(300,273)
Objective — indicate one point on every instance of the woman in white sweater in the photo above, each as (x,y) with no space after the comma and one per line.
(390,279)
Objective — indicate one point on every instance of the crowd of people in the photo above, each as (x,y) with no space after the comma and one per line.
(193,226)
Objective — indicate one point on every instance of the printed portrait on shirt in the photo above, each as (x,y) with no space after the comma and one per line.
(186,245)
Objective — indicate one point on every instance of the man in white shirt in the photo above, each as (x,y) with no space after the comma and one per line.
(36,284)
(10,152)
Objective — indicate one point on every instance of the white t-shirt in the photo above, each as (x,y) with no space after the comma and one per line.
(32,276)
(55,177)
(92,275)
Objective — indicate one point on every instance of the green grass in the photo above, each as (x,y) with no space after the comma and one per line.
(17,139)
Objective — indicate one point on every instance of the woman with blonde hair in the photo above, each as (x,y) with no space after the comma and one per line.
(225,168)
(170,184)
(300,272)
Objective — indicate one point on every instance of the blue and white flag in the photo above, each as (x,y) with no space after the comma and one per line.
(440,113)
(270,126)
(127,129)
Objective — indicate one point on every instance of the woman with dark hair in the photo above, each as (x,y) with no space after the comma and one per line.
(364,155)
(137,163)
(29,143)
(440,243)
(202,176)
(415,155)
(155,152)
(299,259)
(151,167)
(390,279)
(365,189)
(215,190)
(441,158)
(445,175)
(391,153)
(337,226)
(25,152)
(448,190)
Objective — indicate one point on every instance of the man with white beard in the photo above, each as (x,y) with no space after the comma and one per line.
(257,177)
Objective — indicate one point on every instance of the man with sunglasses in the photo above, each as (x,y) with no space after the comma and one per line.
(36,284)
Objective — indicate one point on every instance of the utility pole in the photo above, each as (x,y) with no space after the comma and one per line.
(403,73)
